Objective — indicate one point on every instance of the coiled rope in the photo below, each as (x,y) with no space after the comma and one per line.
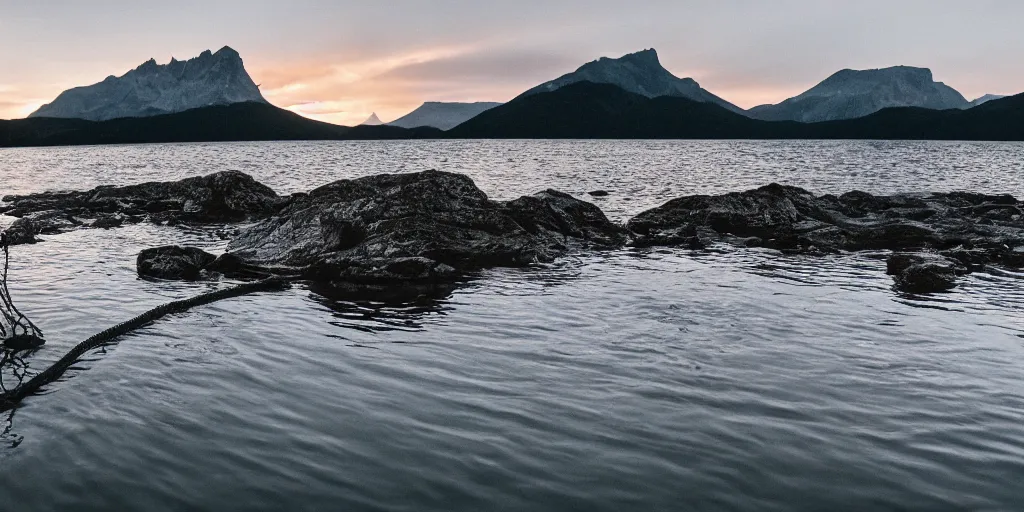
(10,399)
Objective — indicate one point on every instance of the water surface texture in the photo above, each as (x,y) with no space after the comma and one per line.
(733,379)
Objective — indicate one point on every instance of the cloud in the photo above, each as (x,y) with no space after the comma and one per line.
(488,66)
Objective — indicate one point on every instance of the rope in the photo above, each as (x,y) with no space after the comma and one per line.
(10,399)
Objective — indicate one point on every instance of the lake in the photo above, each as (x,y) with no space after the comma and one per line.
(656,379)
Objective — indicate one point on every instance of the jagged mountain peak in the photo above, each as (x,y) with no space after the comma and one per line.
(639,72)
(648,57)
(152,89)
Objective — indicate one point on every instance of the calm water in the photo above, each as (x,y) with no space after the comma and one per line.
(627,380)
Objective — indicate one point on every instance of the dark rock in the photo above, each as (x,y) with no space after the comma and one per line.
(598,193)
(22,231)
(924,272)
(793,220)
(107,222)
(173,262)
(21,342)
(25,229)
(228,196)
(427,226)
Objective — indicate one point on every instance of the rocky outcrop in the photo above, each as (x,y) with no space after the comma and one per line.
(924,272)
(228,196)
(977,228)
(427,227)
(420,226)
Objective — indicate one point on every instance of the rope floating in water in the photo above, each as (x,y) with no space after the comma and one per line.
(18,332)
(10,399)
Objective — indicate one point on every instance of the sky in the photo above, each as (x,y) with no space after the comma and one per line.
(339,61)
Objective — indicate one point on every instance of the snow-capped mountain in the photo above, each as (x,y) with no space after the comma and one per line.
(153,89)
(856,93)
(640,73)
(443,115)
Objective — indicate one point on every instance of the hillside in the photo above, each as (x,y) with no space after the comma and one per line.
(237,122)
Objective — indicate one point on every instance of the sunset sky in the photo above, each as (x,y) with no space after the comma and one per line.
(341,60)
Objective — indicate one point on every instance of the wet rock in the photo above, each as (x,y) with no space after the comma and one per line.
(793,220)
(173,262)
(25,229)
(598,193)
(22,231)
(107,222)
(426,226)
(924,272)
(20,342)
(228,196)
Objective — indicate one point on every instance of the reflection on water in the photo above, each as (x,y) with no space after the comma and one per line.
(728,379)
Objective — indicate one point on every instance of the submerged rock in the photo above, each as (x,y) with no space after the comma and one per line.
(228,196)
(416,228)
(924,272)
(794,220)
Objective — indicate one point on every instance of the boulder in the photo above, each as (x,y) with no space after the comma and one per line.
(173,262)
(228,196)
(924,272)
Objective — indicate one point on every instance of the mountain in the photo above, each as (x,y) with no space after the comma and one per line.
(254,121)
(985,99)
(154,89)
(586,110)
(373,120)
(849,94)
(601,111)
(639,73)
(443,115)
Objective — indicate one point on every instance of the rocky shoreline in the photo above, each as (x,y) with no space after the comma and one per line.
(432,227)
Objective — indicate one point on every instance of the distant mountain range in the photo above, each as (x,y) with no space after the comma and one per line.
(586,111)
(640,73)
(442,115)
(579,111)
(850,94)
(153,89)
(212,98)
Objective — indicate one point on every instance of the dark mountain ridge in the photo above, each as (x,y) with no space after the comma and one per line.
(582,110)
(237,122)
(587,110)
